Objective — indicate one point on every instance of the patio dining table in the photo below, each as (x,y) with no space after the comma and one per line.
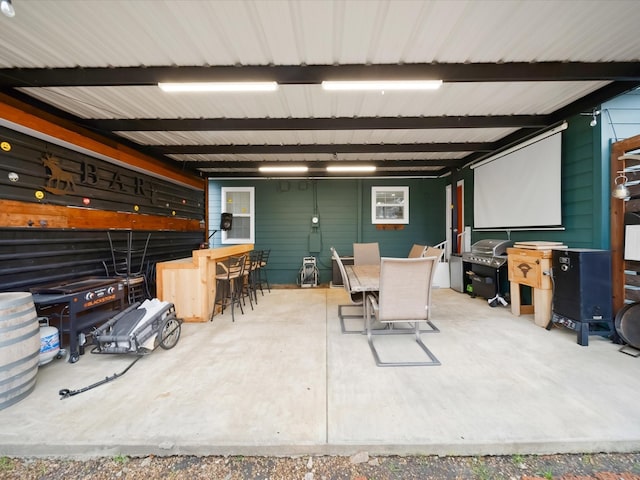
(364,278)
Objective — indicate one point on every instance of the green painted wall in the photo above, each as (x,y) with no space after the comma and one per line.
(283,219)
(585,193)
(284,209)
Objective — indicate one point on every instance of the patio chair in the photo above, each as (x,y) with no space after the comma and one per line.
(366,254)
(405,287)
(357,298)
(438,253)
(417,251)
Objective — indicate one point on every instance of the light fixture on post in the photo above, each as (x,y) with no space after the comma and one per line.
(7,8)
(620,189)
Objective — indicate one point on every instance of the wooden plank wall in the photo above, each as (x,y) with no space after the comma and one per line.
(30,257)
(57,205)
(625,274)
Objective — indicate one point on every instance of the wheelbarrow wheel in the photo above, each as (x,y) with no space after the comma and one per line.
(169,333)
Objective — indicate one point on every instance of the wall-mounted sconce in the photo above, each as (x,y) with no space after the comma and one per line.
(620,189)
(594,116)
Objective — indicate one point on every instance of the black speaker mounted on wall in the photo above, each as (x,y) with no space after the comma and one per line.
(226,221)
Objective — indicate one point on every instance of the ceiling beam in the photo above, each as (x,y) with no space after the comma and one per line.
(341,123)
(325,148)
(319,172)
(315,74)
(582,105)
(402,164)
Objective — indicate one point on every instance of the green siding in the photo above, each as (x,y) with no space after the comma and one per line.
(283,219)
(284,209)
(585,199)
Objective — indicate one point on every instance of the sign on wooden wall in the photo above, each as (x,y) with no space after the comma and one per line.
(36,171)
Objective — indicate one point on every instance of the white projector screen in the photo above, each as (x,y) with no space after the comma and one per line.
(520,189)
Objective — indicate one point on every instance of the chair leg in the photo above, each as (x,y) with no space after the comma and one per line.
(342,316)
(246,289)
(433,361)
(264,277)
(394,330)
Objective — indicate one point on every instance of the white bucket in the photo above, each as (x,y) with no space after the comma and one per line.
(19,347)
(49,344)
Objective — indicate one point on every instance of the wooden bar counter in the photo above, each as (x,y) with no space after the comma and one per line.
(531,268)
(190,283)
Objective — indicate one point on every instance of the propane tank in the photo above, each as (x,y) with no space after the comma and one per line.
(49,342)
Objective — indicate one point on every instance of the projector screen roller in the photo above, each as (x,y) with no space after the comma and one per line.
(521,189)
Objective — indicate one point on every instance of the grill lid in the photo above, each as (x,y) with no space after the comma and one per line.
(491,248)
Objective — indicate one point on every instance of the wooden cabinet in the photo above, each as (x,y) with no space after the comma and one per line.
(190,283)
(531,268)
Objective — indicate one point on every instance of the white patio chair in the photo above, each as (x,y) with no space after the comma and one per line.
(405,288)
(366,254)
(355,297)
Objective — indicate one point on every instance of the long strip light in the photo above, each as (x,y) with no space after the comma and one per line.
(291,169)
(351,168)
(219,87)
(382,85)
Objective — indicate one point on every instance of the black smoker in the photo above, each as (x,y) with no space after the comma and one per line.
(486,266)
(582,292)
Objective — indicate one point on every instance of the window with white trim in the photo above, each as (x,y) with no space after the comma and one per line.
(390,205)
(239,201)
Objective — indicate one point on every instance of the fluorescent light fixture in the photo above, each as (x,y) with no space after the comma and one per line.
(219,87)
(383,85)
(352,168)
(291,169)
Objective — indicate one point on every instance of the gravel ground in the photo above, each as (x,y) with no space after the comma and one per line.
(358,467)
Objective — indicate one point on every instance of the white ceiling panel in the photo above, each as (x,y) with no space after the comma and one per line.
(284,137)
(95,61)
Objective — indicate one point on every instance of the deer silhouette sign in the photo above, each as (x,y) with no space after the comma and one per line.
(58,177)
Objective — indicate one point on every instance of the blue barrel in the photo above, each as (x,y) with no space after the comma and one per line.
(19,347)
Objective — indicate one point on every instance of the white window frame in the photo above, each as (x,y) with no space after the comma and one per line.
(404,219)
(224,239)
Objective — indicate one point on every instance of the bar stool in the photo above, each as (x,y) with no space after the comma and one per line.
(128,264)
(253,264)
(229,284)
(262,271)
(245,282)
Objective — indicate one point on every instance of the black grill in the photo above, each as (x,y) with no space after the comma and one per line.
(486,260)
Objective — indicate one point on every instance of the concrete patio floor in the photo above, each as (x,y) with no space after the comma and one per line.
(283,380)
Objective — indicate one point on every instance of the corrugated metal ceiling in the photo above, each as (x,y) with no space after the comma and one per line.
(575,55)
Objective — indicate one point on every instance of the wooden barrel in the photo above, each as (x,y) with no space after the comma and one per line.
(19,347)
